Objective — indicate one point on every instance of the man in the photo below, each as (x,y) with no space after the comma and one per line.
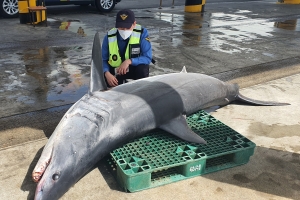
(126,50)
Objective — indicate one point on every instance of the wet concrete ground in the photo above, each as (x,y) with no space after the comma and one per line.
(44,70)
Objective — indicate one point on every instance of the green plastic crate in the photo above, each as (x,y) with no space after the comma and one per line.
(160,158)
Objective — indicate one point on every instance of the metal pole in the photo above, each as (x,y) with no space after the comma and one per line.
(160,4)
(173,4)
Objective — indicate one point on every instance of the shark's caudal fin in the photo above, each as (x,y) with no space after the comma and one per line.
(180,128)
(97,82)
(242,98)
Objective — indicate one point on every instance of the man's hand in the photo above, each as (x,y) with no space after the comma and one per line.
(124,67)
(111,79)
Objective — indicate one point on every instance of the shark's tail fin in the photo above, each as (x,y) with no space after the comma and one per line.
(258,102)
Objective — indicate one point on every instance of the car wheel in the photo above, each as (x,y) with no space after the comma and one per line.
(105,5)
(9,8)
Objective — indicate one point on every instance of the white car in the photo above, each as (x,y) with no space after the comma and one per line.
(9,8)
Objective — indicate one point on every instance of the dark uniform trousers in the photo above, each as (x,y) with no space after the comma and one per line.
(135,73)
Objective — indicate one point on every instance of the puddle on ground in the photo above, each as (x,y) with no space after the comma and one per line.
(268,54)
(184,29)
(77,27)
(209,33)
(55,75)
(230,32)
(223,32)
(227,32)
(243,11)
(292,24)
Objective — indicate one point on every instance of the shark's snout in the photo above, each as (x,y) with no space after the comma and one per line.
(47,188)
(39,190)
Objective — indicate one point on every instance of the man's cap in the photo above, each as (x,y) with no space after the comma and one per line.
(125,19)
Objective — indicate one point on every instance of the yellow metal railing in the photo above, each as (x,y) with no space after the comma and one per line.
(289,1)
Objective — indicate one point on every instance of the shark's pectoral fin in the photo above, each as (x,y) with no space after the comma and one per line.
(179,128)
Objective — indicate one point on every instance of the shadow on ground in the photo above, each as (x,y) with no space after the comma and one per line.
(28,184)
(30,126)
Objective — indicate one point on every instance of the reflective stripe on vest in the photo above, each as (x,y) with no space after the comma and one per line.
(115,59)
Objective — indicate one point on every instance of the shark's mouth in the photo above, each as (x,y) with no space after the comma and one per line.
(37,175)
(41,166)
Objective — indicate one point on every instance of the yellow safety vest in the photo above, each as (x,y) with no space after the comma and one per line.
(115,59)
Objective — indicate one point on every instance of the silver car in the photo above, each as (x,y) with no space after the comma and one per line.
(9,8)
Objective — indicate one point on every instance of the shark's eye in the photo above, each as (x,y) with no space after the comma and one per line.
(55,177)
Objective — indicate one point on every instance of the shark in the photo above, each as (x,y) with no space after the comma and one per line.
(104,119)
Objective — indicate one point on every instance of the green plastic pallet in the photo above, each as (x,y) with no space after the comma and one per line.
(160,158)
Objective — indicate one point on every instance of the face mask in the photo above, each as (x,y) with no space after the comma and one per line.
(125,33)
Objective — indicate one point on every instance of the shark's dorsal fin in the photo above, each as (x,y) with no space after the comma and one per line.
(183,70)
(180,128)
(97,82)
